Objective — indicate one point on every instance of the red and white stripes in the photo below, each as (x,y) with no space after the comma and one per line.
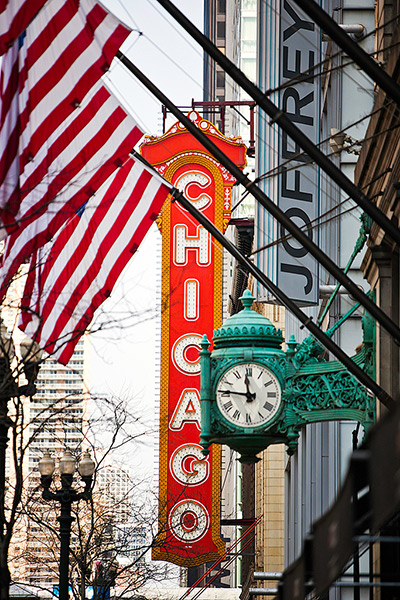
(62,54)
(73,275)
(78,158)
(15,15)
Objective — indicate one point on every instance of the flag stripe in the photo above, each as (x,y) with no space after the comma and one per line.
(76,148)
(63,72)
(111,269)
(63,52)
(88,256)
(97,151)
(9,127)
(14,18)
(107,238)
(59,142)
(72,244)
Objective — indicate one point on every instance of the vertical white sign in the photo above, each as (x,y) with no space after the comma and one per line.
(298,180)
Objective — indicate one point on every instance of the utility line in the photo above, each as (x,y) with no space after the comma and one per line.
(307,322)
(352,49)
(282,119)
(274,171)
(269,205)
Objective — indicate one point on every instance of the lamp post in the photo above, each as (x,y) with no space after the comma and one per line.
(9,388)
(66,495)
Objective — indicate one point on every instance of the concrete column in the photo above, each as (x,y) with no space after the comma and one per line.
(387,352)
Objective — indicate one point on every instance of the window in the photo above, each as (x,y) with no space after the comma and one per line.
(221,79)
(222,7)
(221,29)
(249,68)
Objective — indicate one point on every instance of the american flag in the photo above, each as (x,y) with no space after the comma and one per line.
(71,277)
(51,140)
(79,157)
(45,77)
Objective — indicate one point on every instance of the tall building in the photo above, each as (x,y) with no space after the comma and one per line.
(114,485)
(378,174)
(336,99)
(53,420)
(57,421)
(315,472)
(332,101)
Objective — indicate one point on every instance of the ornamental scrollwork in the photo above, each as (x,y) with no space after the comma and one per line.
(327,390)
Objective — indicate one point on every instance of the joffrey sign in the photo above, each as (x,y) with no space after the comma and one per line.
(298,189)
(192,274)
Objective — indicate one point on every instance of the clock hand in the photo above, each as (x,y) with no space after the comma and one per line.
(238,393)
(249,395)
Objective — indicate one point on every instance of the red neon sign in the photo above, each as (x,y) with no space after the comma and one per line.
(192,271)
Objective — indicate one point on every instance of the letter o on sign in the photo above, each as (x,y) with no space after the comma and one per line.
(189,520)
(302,216)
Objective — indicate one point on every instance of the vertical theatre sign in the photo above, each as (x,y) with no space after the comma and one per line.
(299,178)
(192,264)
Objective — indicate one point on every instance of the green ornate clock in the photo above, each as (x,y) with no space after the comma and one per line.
(254,394)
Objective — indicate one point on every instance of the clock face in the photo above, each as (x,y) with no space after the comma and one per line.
(249,395)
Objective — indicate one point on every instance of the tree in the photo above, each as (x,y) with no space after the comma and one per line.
(113,531)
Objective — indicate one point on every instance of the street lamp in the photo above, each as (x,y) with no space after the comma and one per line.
(66,495)
(9,388)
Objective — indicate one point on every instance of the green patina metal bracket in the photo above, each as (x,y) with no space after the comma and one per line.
(313,389)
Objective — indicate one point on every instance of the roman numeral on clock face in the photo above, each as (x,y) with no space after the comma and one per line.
(248,418)
(236,414)
(268,405)
(228,405)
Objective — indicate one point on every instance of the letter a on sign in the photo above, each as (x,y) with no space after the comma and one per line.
(187,410)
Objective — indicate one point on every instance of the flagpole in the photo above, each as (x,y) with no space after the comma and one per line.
(307,322)
(282,119)
(268,204)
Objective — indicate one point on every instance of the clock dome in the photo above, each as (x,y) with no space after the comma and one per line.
(248,328)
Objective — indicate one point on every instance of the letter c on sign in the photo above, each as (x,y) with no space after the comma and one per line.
(185,353)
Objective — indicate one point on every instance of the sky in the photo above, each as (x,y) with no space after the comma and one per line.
(123,356)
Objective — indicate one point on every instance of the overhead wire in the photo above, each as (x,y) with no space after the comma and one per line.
(283,120)
(383,79)
(299,166)
(307,243)
(166,55)
(283,18)
(140,32)
(260,276)
(318,220)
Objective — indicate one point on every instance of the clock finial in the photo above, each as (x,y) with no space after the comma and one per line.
(247,299)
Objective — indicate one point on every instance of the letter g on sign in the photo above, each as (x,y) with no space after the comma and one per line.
(188,465)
